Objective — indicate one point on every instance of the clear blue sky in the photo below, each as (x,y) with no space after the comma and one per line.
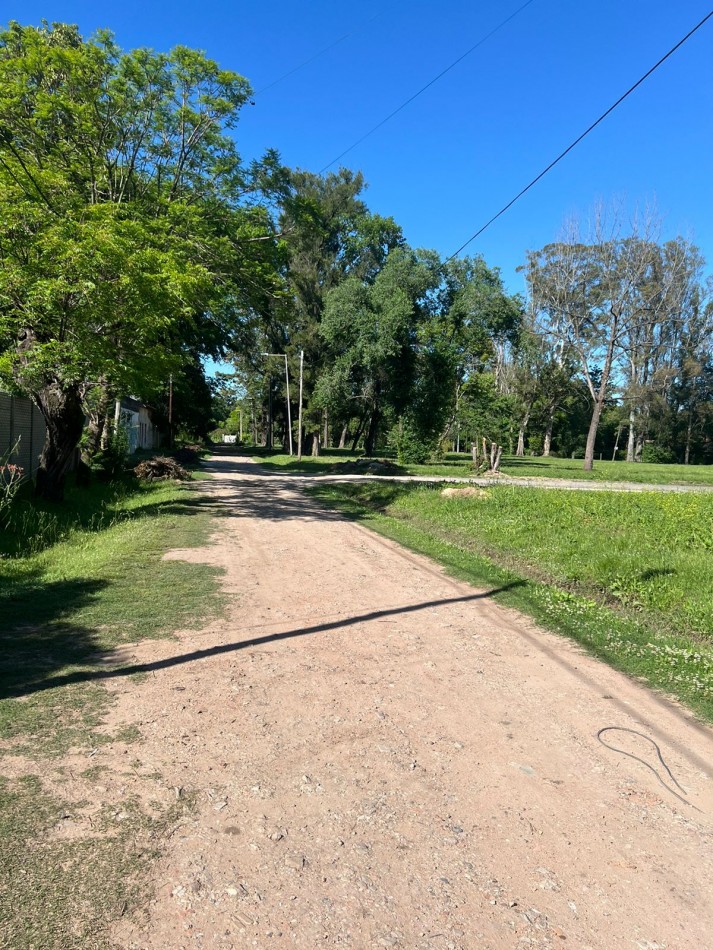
(444,165)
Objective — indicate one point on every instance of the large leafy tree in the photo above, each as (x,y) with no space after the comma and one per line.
(328,235)
(123,219)
(478,324)
(374,331)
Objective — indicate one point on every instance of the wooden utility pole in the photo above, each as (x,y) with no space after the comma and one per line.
(170,411)
(289,411)
(299,427)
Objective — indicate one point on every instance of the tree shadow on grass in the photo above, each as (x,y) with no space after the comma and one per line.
(527,462)
(36,641)
(653,572)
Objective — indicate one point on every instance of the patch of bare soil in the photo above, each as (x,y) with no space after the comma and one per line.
(382,757)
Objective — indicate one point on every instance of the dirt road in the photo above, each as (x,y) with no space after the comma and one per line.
(383,757)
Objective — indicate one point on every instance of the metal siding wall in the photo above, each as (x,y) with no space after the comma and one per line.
(5,424)
(22,430)
(20,418)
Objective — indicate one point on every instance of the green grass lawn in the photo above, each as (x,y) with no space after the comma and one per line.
(276,460)
(76,581)
(460,466)
(628,576)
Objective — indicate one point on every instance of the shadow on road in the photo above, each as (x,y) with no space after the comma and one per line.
(82,676)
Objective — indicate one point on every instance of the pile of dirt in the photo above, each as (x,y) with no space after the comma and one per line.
(367,467)
(469,492)
(161,468)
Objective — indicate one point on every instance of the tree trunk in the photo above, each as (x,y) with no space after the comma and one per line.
(64,419)
(547,445)
(315,445)
(521,435)
(106,432)
(343,437)
(360,429)
(631,441)
(616,444)
(325,441)
(96,426)
(592,434)
(370,440)
(495,462)
(689,434)
(500,366)
(601,394)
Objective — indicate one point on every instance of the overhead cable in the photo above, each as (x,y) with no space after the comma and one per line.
(580,137)
(319,53)
(428,85)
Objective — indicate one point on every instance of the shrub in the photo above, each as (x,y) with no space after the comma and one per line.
(657,454)
(412,447)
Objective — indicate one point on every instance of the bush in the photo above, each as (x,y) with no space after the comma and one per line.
(412,448)
(657,454)
(535,444)
(112,461)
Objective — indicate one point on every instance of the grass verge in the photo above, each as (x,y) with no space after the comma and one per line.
(94,578)
(460,466)
(626,576)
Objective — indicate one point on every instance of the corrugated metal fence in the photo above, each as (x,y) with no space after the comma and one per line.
(21,419)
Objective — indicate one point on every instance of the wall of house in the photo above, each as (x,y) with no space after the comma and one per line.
(21,424)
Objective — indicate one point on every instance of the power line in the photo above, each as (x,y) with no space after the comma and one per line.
(579,138)
(319,53)
(435,79)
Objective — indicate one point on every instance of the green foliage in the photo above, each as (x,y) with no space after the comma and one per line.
(373,330)
(112,462)
(657,454)
(409,443)
(127,238)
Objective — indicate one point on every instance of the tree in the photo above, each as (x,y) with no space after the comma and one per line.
(585,297)
(479,323)
(661,302)
(691,395)
(330,235)
(120,217)
(374,330)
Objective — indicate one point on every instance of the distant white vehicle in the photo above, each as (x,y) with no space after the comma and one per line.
(229,439)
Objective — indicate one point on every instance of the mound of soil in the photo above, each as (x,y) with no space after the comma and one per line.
(367,467)
(161,468)
(468,492)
